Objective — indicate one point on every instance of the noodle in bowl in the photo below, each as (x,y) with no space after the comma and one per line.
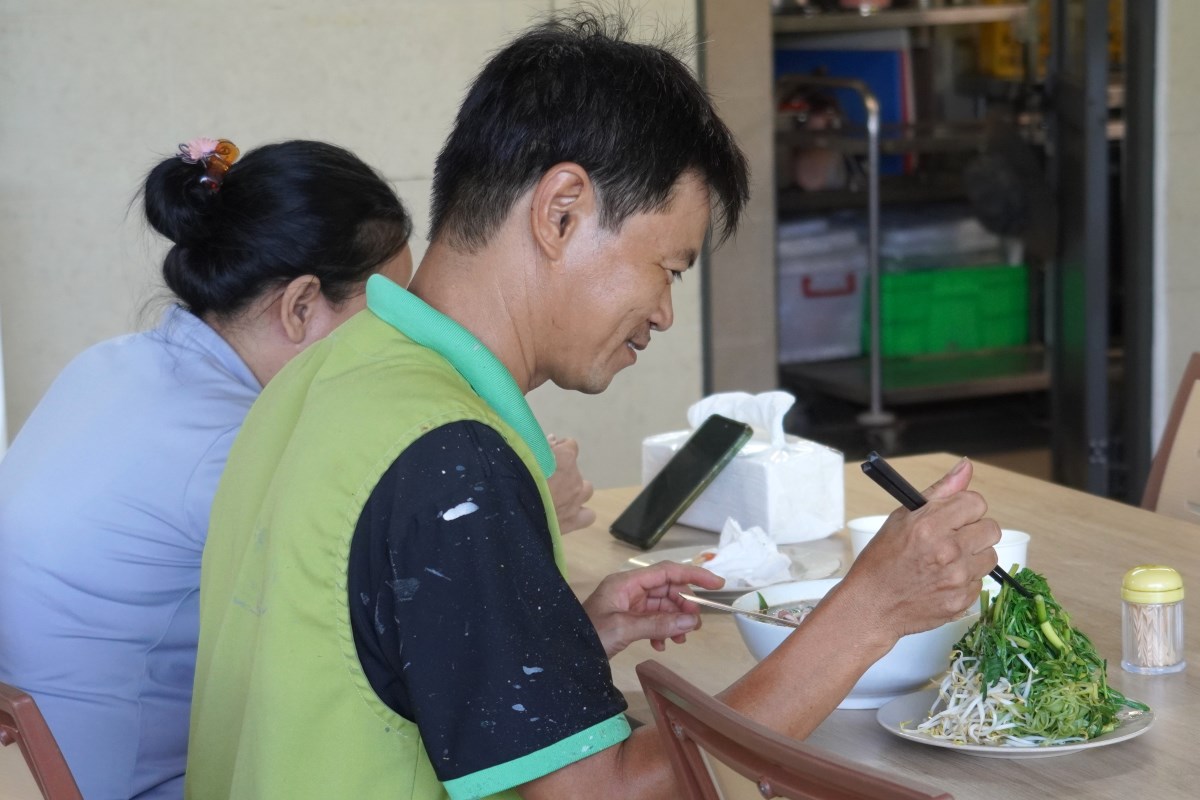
(907,667)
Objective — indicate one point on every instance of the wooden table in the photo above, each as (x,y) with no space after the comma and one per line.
(1083,544)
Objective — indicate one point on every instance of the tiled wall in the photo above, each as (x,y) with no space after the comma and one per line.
(95,93)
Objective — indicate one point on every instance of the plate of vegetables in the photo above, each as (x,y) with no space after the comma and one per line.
(1022,683)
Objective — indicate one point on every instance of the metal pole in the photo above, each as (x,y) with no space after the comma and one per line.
(875,415)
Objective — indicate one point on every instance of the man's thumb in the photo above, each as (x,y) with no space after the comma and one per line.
(953,482)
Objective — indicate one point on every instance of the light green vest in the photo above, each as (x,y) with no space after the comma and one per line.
(282,708)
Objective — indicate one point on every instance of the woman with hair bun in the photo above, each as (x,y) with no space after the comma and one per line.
(106,492)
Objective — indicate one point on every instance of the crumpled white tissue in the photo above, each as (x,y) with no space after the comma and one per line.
(748,558)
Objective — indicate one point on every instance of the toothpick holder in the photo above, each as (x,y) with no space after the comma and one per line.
(1152,620)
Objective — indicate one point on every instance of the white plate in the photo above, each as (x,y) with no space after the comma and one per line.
(914,708)
(809,562)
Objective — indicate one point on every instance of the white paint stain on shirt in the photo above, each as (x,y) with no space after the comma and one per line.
(404,588)
(460,510)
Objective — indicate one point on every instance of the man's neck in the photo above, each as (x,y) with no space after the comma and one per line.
(477,291)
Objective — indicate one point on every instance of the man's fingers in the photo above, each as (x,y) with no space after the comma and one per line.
(661,626)
(978,540)
(564,449)
(680,574)
(584,518)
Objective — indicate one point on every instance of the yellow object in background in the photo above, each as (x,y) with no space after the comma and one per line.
(1116,33)
(1002,53)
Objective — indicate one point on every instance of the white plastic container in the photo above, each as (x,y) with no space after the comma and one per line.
(832,241)
(821,305)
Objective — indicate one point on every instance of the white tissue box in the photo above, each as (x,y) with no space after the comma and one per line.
(795,493)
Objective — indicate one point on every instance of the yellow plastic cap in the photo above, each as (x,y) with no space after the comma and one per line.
(1151,583)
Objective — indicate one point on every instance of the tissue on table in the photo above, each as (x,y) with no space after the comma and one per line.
(790,487)
(746,558)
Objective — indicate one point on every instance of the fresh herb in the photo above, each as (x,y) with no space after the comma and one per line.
(1024,675)
(762,603)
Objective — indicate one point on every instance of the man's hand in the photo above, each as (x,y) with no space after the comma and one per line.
(568,488)
(925,566)
(645,604)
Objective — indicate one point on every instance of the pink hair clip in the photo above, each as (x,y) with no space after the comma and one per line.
(217,156)
(197,149)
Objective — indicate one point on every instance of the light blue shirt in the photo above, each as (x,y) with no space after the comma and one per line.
(104,505)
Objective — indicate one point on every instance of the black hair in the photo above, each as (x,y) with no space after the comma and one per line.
(572,89)
(282,211)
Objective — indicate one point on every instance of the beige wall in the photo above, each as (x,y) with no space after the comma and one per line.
(1177,290)
(738,72)
(95,93)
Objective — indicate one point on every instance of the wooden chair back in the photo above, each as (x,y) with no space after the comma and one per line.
(693,724)
(1173,487)
(22,724)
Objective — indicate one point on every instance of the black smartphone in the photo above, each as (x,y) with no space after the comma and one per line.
(682,479)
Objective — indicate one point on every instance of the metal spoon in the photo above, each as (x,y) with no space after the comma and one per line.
(700,601)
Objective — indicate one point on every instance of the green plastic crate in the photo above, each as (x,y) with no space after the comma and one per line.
(951,310)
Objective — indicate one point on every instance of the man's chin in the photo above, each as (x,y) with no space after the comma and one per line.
(589,384)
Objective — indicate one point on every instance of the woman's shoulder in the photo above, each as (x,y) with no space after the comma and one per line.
(144,382)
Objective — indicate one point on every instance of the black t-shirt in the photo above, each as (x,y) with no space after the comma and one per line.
(462,621)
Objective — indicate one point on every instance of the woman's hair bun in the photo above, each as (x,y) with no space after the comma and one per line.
(282,211)
(177,204)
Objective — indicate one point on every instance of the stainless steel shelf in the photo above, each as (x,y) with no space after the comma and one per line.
(922,188)
(894,139)
(872,380)
(833,21)
(923,379)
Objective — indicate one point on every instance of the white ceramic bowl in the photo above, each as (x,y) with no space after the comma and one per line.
(909,665)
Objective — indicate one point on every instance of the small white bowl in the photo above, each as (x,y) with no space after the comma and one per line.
(1013,548)
(862,530)
(907,667)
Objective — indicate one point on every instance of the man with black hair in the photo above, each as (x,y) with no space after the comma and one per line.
(384,612)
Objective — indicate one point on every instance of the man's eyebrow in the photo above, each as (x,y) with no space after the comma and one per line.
(687,256)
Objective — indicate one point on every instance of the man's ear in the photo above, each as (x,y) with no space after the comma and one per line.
(298,306)
(563,197)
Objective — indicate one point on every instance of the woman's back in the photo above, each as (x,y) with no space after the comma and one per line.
(104,502)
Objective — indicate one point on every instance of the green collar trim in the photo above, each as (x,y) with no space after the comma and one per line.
(490,379)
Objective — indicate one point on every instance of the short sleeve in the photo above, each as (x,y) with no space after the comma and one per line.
(463,623)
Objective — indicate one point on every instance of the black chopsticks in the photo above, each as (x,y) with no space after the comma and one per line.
(882,473)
